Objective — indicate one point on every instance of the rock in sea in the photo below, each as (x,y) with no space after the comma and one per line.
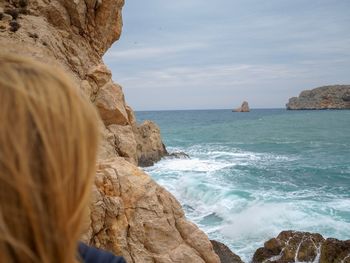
(292,246)
(244,107)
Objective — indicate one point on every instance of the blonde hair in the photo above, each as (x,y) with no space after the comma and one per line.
(48,142)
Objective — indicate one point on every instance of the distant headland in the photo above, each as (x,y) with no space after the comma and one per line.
(322,98)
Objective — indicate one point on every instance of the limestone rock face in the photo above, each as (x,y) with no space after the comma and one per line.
(75,35)
(133,216)
(291,246)
(244,107)
(327,97)
(130,214)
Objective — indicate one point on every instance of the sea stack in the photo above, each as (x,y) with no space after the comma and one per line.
(244,107)
(335,97)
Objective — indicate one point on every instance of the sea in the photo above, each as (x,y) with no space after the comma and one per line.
(252,175)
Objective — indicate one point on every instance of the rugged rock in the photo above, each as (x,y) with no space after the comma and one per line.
(130,214)
(225,254)
(291,246)
(244,107)
(150,147)
(334,250)
(124,142)
(75,35)
(111,104)
(178,155)
(133,216)
(327,97)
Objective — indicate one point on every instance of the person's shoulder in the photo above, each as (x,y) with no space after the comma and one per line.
(94,255)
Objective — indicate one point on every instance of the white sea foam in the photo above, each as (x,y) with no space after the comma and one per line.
(192,165)
(244,218)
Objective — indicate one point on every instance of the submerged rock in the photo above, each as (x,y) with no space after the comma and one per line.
(292,246)
(327,97)
(178,155)
(244,107)
(224,253)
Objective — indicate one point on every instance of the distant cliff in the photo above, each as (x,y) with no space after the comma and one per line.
(327,97)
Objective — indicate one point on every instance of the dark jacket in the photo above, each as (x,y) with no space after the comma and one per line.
(94,255)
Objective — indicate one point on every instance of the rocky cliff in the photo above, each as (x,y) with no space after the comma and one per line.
(327,97)
(130,214)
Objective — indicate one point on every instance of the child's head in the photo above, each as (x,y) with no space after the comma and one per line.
(48,142)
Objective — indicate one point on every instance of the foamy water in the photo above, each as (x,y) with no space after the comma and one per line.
(243,191)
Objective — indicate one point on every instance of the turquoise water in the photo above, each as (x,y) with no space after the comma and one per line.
(252,175)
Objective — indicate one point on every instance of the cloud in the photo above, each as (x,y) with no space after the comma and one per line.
(217,76)
(192,54)
(150,52)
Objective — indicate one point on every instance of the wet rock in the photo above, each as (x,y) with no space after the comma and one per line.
(290,246)
(334,251)
(178,155)
(224,253)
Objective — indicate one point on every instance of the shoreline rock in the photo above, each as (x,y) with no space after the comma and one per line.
(323,98)
(150,147)
(224,253)
(178,155)
(293,246)
(244,107)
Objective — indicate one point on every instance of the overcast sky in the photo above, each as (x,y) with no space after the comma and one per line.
(201,54)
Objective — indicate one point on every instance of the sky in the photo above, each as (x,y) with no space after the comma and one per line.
(201,54)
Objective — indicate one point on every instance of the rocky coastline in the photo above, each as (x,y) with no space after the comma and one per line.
(130,214)
(322,98)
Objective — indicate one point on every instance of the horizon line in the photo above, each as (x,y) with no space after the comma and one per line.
(208,109)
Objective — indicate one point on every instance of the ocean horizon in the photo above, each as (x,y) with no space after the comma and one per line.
(251,109)
(252,175)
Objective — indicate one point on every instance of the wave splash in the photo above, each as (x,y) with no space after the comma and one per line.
(242,198)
